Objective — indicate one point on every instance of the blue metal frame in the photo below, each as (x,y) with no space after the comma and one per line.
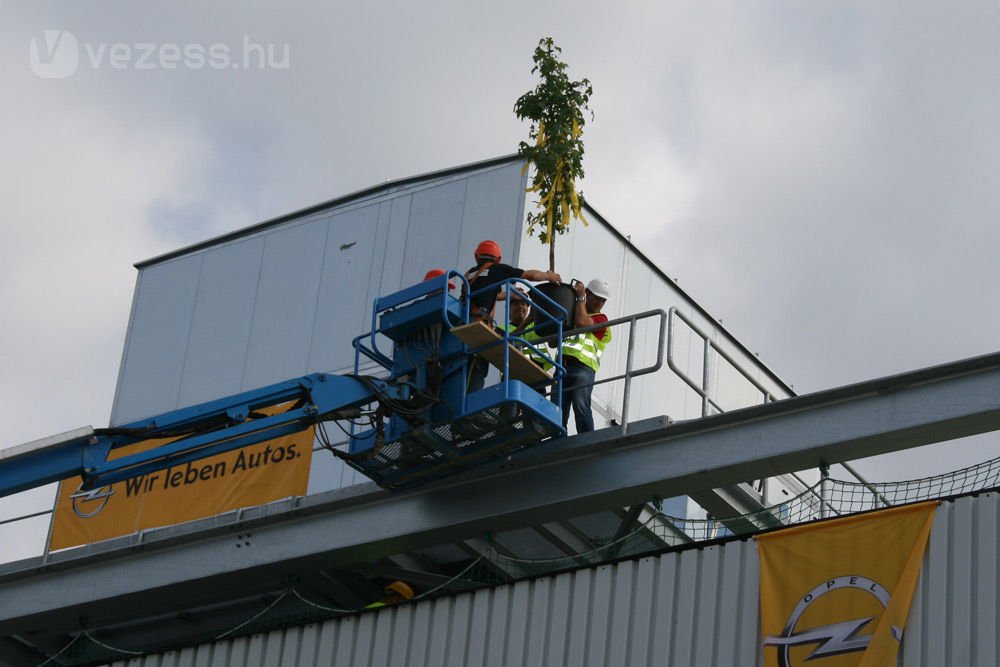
(202,430)
(462,426)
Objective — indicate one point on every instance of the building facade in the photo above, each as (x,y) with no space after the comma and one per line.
(287,297)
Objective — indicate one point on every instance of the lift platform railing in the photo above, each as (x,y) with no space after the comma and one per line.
(455,311)
(552,315)
(438,347)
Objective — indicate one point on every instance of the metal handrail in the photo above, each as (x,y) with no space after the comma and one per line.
(631,320)
(704,390)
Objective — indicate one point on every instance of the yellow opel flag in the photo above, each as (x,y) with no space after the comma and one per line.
(838,593)
(244,477)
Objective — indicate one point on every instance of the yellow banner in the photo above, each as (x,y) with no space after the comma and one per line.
(245,477)
(838,593)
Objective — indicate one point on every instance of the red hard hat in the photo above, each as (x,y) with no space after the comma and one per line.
(434,273)
(491,248)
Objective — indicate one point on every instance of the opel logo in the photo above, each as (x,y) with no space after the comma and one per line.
(88,503)
(834,639)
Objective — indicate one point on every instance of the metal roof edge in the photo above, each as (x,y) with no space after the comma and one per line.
(315,208)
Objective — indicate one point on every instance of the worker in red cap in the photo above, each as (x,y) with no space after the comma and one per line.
(487,272)
(434,273)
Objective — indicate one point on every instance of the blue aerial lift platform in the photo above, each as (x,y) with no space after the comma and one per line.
(413,422)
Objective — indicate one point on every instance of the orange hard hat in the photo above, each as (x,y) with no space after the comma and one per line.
(400,587)
(491,248)
(434,273)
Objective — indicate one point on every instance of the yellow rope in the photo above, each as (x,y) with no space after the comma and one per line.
(562,196)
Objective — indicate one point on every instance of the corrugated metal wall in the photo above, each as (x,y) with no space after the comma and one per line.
(697,607)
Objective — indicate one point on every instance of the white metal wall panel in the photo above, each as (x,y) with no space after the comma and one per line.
(434,229)
(351,264)
(696,607)
(158,334)
(490,207)
(227,287)
(285,306)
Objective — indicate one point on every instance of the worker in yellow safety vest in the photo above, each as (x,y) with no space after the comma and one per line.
(520,325)
(582,353)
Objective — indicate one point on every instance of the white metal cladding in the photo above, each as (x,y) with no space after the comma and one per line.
(289,299)
(695,607)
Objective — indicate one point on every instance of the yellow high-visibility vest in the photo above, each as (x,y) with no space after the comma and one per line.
(530,336)
(586,347)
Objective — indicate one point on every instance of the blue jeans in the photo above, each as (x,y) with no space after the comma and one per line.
(577,388)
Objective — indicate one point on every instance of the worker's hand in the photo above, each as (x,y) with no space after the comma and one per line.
(554,277)
(579,288)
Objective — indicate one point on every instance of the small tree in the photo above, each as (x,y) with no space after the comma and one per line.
(556,110)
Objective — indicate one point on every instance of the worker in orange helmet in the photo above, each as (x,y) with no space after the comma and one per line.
(487,272)
(490,271)
(434,273)
(395,593)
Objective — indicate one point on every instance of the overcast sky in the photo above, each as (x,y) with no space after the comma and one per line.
(821,176)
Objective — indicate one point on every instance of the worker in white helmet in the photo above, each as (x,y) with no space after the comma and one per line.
(582,353)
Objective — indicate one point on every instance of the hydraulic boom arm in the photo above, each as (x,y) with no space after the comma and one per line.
(198,432)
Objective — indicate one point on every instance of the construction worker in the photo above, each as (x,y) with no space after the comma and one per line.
(434,273)
(582,353)
(489,272)
(518,308)
(396,592)
(520,325)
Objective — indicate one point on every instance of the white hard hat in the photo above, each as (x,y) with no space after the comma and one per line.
(599,288)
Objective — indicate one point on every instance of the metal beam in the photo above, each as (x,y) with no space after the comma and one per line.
(567,539)
(15,654)
(738,507)
(660,531)
(629,522)
(421,579)
(569,477)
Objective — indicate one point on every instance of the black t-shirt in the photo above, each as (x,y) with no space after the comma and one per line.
(494,274)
